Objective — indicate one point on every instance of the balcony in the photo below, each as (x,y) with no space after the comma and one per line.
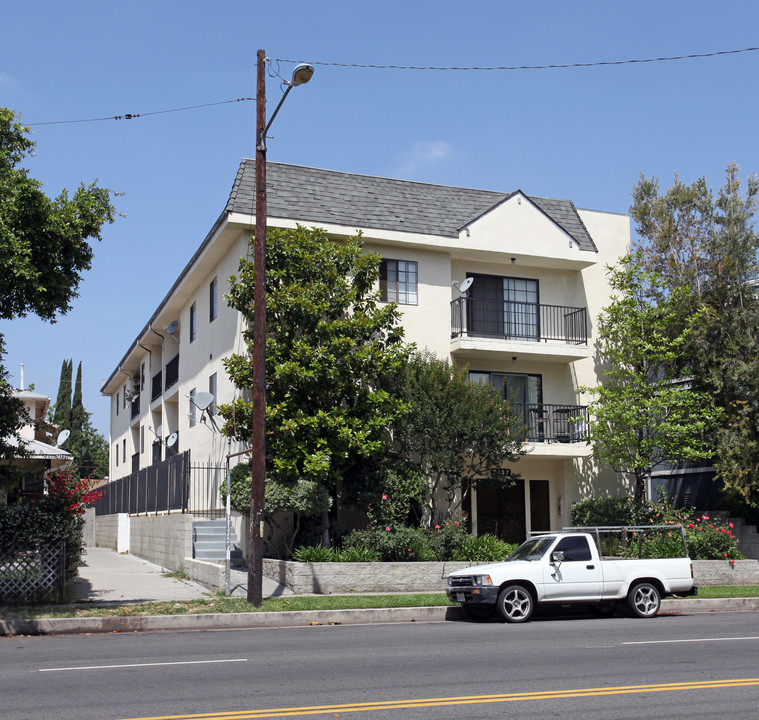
(555,430)
(529,330)
(135,406)
(172,372)
(156,387)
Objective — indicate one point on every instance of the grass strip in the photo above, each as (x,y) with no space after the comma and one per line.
(728,591)
(221,604)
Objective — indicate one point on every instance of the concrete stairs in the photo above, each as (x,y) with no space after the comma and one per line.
(209,541)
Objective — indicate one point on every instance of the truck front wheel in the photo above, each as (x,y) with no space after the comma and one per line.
(515,603)
(644,600)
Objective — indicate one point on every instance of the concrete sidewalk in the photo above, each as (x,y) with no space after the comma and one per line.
(108,577)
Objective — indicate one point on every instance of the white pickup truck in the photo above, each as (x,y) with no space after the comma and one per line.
(569,567)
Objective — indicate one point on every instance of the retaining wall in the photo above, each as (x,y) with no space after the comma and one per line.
(165,540)
(325,578)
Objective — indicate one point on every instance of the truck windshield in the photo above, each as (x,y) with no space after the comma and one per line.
(532,549)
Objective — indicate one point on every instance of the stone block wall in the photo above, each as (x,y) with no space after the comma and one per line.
(106,531)
(165,540)
(325,578)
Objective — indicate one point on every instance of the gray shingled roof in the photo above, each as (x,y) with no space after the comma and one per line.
(311,195)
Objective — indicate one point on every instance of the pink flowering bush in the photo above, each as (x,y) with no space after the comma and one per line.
(707,538)
(50,516)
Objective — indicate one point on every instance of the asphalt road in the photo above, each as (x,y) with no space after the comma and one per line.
(674,666)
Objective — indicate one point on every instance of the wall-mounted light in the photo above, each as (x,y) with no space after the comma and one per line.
(558,505)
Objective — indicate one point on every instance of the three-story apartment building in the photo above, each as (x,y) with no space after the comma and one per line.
(533,274)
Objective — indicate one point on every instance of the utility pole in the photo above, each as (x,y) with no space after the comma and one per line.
(258,440)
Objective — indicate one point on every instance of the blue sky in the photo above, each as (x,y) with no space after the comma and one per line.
(585,134)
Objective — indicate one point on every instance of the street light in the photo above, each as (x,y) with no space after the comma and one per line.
(301,75)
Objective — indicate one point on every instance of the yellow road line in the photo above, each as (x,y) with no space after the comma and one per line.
(463,700)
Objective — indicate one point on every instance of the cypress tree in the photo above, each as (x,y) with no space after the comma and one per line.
(77,413)
(62,413)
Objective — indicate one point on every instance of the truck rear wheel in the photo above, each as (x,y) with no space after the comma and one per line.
(644,600)
(515,603)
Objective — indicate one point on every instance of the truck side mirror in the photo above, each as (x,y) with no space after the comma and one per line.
(557,556)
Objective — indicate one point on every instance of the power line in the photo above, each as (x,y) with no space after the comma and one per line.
(132,116)
(530,67)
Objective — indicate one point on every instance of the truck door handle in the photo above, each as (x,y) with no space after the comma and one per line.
(590,567)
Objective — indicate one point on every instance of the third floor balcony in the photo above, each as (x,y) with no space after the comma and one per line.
(549,332)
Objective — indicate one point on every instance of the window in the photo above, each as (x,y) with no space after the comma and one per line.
(193,418)
(398,281)
(116,451)
(123,453)
(520,390)
(213,300)
(193,322)
(118,400)
(212,384)
(503,307)
(124,398)
(575,549)
(142,377)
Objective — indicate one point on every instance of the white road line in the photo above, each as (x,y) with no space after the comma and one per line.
(111,667)
(689,640)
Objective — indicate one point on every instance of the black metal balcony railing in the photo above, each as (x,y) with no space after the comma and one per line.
(135,406)
(172,372)
(156,386)
(553,423)
(475,317)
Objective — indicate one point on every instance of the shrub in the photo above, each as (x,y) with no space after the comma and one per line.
(447,538)
(485,548)
(707,538)
(399,544)
(54,515)
(314,553)
(710,539)
(358,554)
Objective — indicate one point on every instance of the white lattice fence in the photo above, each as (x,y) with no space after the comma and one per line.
(34,575)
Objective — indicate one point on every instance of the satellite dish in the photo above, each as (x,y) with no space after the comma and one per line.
(159,431)
(203,400)
(172,440)
(63,435)
(172,328)
(466,284)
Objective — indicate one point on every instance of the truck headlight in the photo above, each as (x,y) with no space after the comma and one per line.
(481,580)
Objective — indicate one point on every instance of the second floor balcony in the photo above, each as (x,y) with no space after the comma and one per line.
(553,332)
(546,423)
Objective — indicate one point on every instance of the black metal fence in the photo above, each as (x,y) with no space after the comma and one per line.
(206,483)
(162,487)
(477,317)
(34,575)
(554,423)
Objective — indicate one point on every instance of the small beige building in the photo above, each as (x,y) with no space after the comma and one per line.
(533,275)
(42,455)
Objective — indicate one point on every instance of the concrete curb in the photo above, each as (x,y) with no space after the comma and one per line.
(301,618)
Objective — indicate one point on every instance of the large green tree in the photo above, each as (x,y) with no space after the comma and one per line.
(644,413)
(455,432)
(705,244)
(44,244)
(334,354)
